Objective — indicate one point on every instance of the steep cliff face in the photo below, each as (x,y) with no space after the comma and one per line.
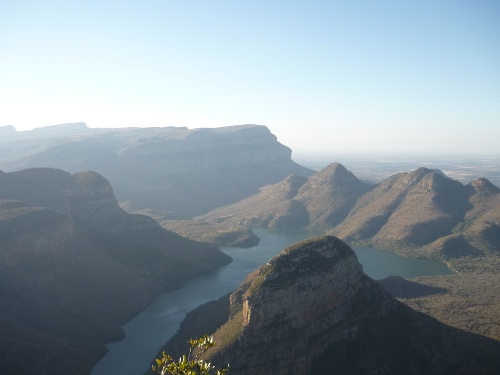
(312,310)
(181,171)
(207,150)
(312,294)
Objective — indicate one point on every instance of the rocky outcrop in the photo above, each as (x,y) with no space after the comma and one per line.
(183,171)
(312,310)
(309,296)
(75,267)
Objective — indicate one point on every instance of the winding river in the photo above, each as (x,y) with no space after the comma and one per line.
(154,326)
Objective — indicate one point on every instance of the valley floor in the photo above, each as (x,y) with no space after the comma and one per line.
(469,300)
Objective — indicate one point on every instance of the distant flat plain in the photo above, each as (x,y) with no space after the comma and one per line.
(376,168)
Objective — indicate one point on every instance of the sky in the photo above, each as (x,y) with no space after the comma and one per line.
(372,76)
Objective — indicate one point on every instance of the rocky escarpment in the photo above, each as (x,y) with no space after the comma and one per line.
(206,150)
(75,267)
(312,310)
(182,172)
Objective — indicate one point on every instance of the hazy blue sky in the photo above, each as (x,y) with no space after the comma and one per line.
(347,75)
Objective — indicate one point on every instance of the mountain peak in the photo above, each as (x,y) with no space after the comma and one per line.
(307,257)
(290,301)
(335,168)
(419,173)
(91,180)
(335,174)
(483,183)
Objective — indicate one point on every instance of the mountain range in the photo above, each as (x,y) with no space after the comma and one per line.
(421,213)
(75,267)
(176,171)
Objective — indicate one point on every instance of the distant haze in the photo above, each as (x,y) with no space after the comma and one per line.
(353,76)
(377,166)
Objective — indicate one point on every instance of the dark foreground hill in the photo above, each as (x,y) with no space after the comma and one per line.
(74,267)
(422,213)
(312,310)
(179,172)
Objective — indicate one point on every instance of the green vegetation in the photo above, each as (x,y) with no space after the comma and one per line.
(299,245)
(188,366)
(476,265)
(234,309)
(228,333)
(255,286)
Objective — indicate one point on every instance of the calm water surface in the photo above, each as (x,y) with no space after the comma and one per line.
(153,327)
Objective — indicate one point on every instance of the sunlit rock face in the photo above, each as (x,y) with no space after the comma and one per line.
(317,275)
(312,294)
(312,310)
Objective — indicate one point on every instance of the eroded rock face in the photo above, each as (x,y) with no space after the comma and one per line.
(332,277)
(309,296)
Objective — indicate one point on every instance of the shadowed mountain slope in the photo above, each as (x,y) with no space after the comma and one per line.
(178,171)
(312,310)
(75,267)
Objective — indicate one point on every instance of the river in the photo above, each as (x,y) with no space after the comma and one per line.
(154,326)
